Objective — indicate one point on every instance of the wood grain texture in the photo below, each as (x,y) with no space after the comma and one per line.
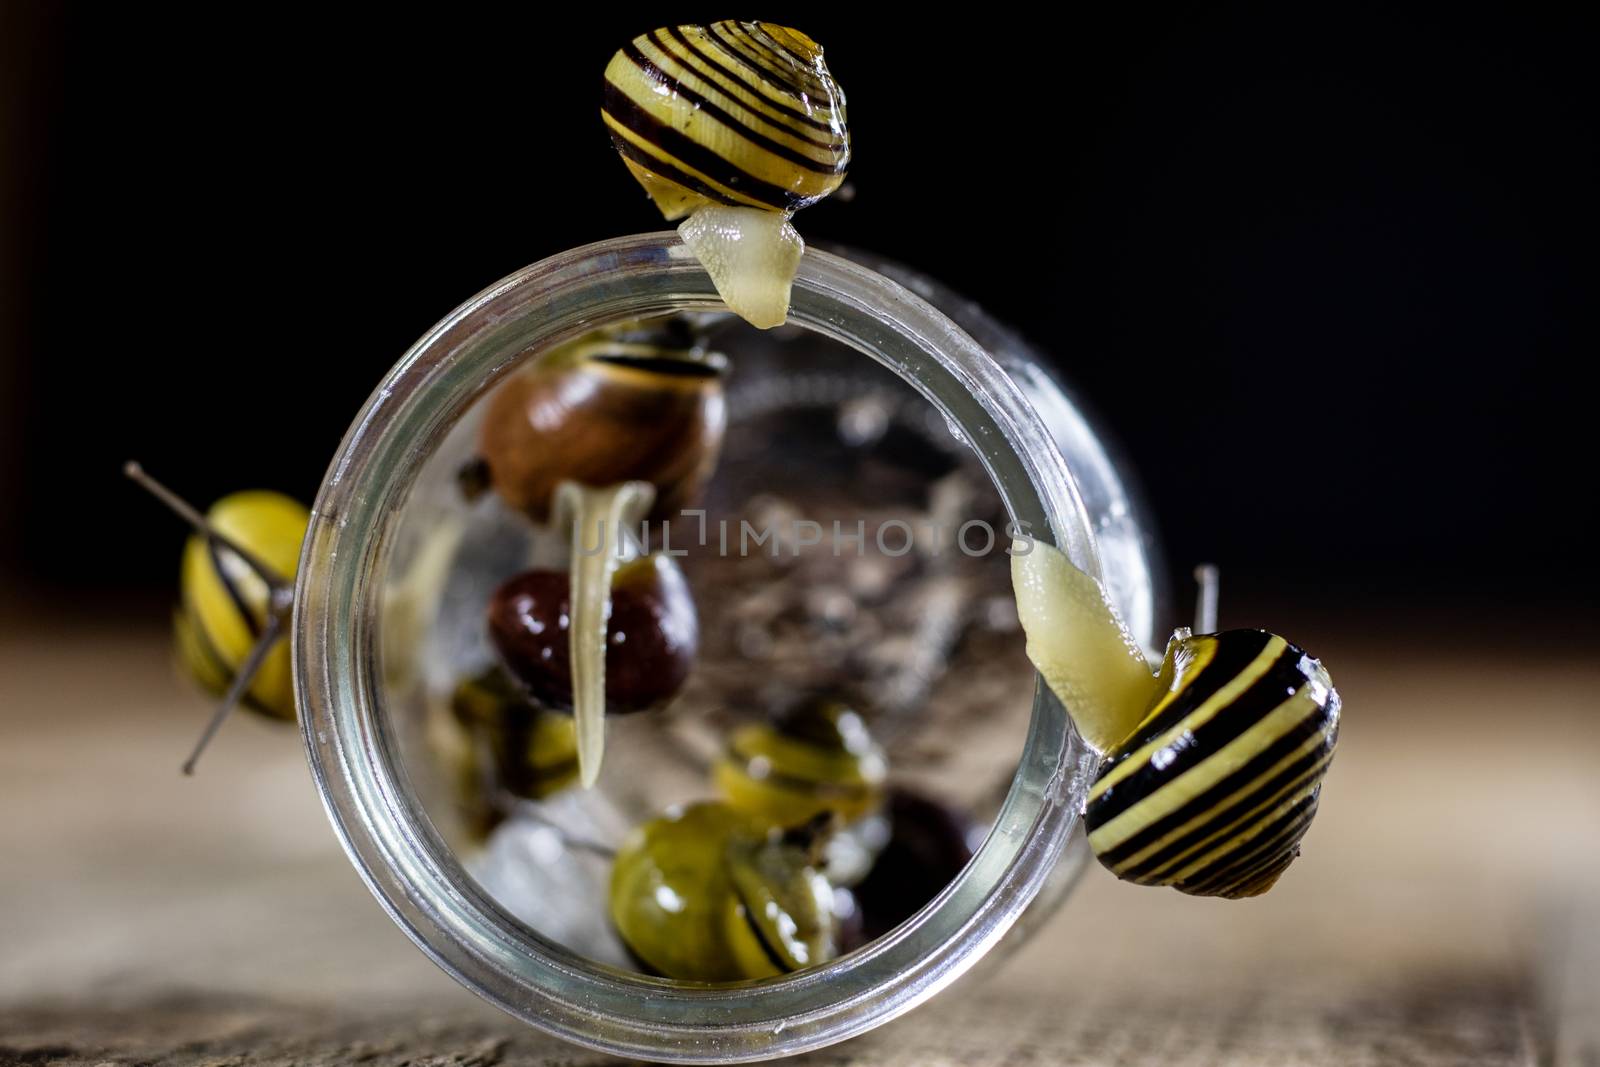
(1443,912)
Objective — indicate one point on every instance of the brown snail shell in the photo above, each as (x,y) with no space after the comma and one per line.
(600,412)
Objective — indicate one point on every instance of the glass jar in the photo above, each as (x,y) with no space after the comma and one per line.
(387,556)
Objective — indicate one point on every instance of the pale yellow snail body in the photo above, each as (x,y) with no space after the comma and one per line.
(736,125)
(593,438)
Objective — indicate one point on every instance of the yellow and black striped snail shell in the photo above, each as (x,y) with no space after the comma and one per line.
(709,894)
(819,759)
(1214,766)
(1213,790)
(495,745)
(226,605)
(534,750)
(737,113)
(736,125)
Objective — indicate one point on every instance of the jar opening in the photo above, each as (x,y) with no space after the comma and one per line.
(352,637)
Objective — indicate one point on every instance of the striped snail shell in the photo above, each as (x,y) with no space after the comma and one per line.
(1213,790)
(535,751)
(225,604)
(736,125)
(707,894)
(737,113)
(611,407)
(492,742)
(817,760)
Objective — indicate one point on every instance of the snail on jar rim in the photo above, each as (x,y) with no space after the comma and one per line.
(1213,767)
(736,125)
(236,590)
(1213,790)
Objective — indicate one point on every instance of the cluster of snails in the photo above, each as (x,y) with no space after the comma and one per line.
(1212,764)
(759,881)
(1213,768)
(753,883)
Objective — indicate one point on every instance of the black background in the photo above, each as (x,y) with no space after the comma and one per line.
(1327,271)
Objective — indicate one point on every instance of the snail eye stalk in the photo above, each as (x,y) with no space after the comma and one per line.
(237,689)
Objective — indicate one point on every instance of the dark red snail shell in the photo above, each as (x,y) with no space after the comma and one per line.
(651,637)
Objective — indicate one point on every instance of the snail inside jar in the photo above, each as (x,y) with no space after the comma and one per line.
(801,682)
(848,691)
(916,633)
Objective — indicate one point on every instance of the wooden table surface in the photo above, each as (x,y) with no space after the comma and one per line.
(1446,909)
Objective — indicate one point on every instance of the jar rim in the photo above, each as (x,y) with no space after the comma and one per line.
(354,753)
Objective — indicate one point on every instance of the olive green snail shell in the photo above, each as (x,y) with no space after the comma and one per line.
(708,894)
(737,113)
(1214,789)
